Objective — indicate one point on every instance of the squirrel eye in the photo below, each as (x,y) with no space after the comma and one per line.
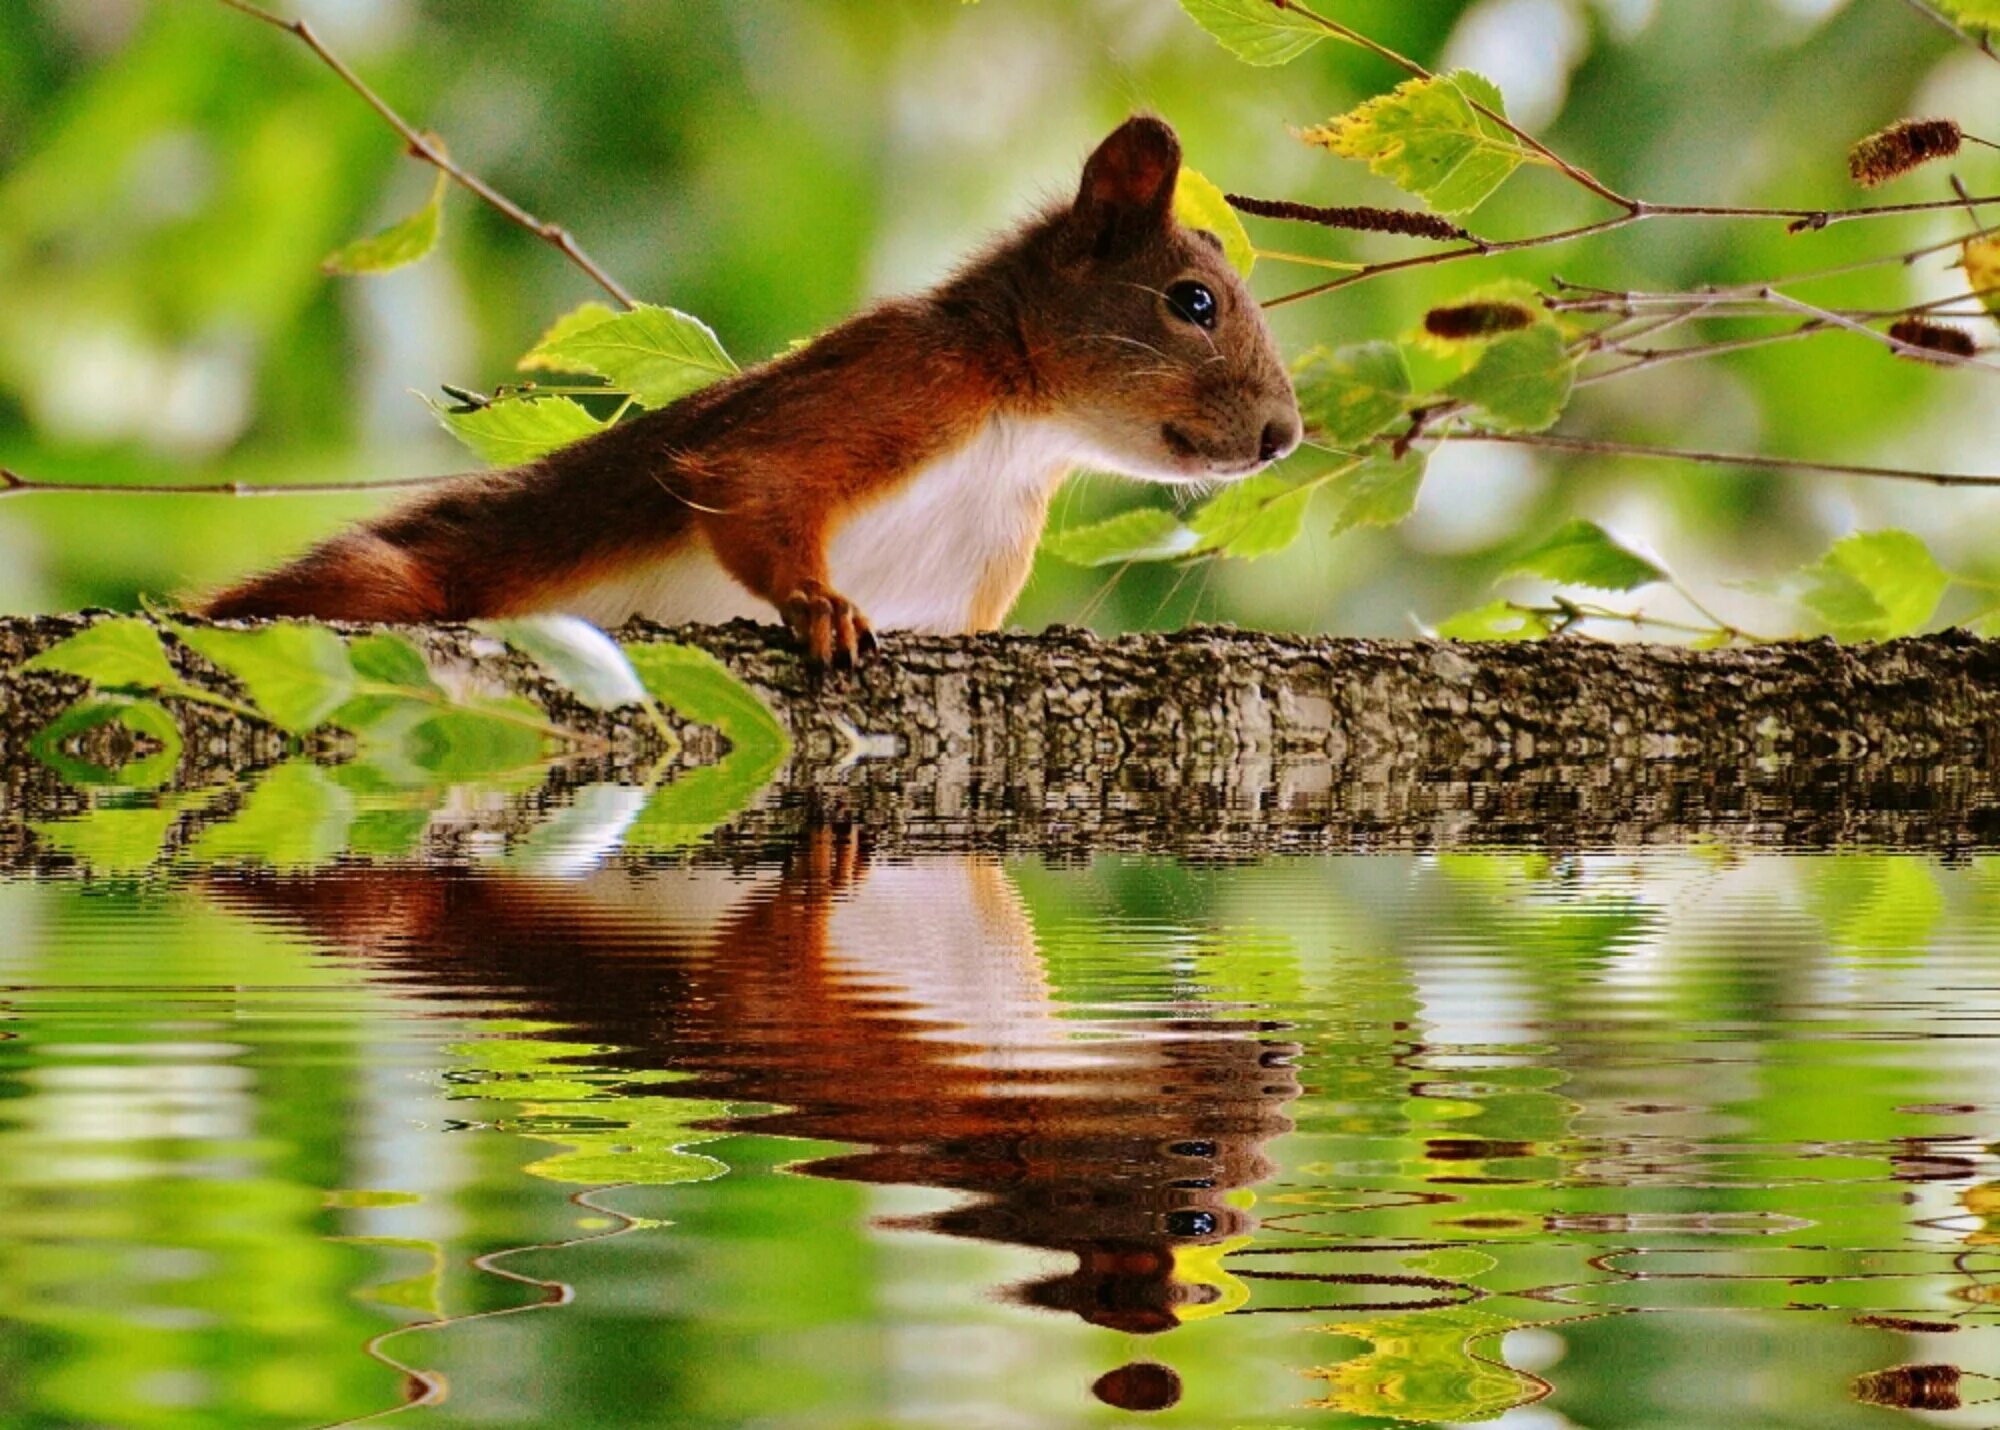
(1193,303)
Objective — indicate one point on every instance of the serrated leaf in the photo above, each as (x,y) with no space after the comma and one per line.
(1352,393)
(1582,553)
(1495,621)
(576,320)
(1254,517)
(1142,534)
(1427,137)
(1522,382)
(656,354)
(1513,292)
(122,653)
(122,837)
(519,430)
(1981,261)
(1874,585)
(698,687)
(144,719)
(297,675)
(1258,31)
(394,247)
(1381,492)
(296,818)
(1198,203)
(577,656)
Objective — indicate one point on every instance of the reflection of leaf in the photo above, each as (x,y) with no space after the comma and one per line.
(1422,1368)
(655,354)
(1522,381)
(141,718)
(123,653)
(297,675)
(700,688)
(296,818)
(693,804)
(1146,533)
(1582,553)
(1198,203)
(519,429)
(396,246)
(1426,137)
(413,1293)
(1259,31)
(1878,904)
(121,834)
(577,656)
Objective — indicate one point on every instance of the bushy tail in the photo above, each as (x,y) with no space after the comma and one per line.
(357,576)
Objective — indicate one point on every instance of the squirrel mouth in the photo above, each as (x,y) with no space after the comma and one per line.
(1179,443)
(1186,449)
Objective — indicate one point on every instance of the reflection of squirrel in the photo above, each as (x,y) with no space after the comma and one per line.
(901,464)
(901,1007)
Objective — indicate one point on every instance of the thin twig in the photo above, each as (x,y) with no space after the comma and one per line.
(1981,43)
(13,484)
(1594,447)
(422,146)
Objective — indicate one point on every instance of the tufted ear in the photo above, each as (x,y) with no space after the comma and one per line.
(1128,186)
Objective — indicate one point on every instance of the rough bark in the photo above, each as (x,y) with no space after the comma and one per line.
(1223,743)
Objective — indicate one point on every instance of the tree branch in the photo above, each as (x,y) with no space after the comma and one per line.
(421,146)
(13,484)
(1594,447)
(1981,43)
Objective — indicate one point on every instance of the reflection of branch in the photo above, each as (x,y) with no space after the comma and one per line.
(427,1387)
(1726,459)
(13,484)
(422,146)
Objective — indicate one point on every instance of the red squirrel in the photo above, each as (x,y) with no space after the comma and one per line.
(900,465)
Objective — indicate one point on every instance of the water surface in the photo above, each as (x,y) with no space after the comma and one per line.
(832,1140)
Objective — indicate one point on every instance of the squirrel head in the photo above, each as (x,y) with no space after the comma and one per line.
(1145,337)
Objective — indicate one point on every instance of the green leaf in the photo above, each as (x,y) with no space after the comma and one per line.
(1259,31)
(1582,553)
(1254,517)
(296,818)
(1381,492)
(1975,14)
(576,320)
(1198,203)
(388,659)
(1874,585)
(1496,621)
(696,802)
(120,654)
(1350,394)
(577,656)
(1522,382)
(519,429)
(1142,534)
(145,722)
(1510,292)
(297,675)
(697,686)
(1981,262)
(656,354)
(1426,137)
(396,246)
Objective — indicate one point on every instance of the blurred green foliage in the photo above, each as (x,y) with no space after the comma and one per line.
(173,174)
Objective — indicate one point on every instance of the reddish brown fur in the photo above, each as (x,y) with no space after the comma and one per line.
(1067,317)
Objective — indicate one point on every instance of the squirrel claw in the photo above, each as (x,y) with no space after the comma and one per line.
(834,634)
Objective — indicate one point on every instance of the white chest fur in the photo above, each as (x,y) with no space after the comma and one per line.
(926,555)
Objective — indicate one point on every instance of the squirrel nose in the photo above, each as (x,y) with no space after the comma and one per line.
(1281,439)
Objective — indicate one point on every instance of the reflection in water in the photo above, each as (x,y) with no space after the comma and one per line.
(904,1008)
(1667,1141)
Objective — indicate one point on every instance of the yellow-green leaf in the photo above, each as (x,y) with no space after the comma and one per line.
(1254,517)
(1495,621)
(1982,271)
(1263,32)
(576,320)
(1380,492)
(1198,203)
(123,653)
(1145,533)
(1350,394)
(1978,14)
(1428,137)
(656,354)
(519,429)
(1582,553)
(297,675)
(1522,381)
(397,246)
(1873,585)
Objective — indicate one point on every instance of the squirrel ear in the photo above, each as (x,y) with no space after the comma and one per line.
(1128,185)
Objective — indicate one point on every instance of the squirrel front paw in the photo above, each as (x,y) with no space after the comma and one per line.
(826,623)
